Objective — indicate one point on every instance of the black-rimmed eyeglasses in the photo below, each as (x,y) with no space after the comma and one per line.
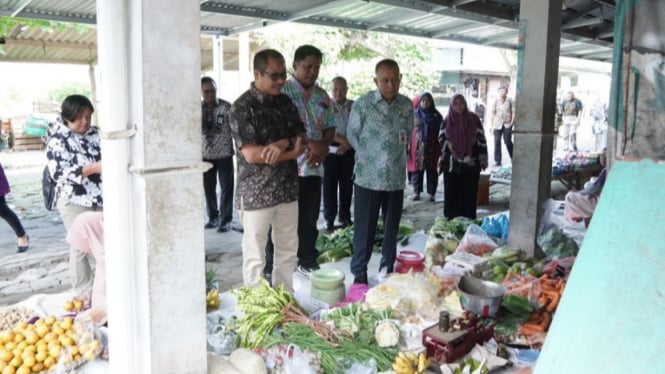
(275,76)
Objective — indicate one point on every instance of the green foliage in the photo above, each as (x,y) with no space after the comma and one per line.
(354,53)
(59,94)
(7,24)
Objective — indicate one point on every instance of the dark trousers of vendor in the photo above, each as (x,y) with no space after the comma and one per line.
(366,207)
(460,193)
(222,171)
(338,175)
(507,134)
(309,204)
(417,178)
(8,215)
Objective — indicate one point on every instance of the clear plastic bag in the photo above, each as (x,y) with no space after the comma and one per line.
(299,362)
(220,339)
(476,241)
(347,366)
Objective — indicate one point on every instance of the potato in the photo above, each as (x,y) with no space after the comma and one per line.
(218,365)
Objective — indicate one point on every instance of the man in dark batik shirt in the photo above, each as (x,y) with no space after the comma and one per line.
(268,134)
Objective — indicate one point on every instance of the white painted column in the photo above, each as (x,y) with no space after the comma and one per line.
(537,70)
(244,67)
(149,59)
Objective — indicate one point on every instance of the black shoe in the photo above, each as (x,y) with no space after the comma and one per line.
(360,279)
(268,277)
(347,223)
(224,227)
(237,227)
(330,228)
(212,223)
(307,270)
(23,248)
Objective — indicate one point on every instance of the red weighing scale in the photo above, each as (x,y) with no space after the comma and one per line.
(448,345)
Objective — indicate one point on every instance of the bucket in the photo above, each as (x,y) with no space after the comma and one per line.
(328,286)
(480,297)
(409,260)
(483,196)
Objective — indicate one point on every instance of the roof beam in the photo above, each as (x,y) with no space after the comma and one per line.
(456,29)
(243,11)
(582,22)
(394,17)
(19,7)
(88,19)
(580,13)
(502,37)
(46,45)
(462,2)
(312,11)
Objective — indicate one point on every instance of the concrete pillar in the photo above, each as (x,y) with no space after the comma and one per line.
(150,117)
(537,66)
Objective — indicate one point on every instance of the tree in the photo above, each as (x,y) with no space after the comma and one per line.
(7,24)
(59,94)
(354,53)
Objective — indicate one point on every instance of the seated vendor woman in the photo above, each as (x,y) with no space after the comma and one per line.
(86,234)
(580,205)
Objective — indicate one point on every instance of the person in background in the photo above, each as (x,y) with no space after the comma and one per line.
(74,162)
(476,105)
(268,135)
(338,166)
(503,116)
(23,241)
(599,126)
(86,234)
(571,113)
(316,112)
(580,205)
(380,127)
(217,145)
(464,156)
(424,149)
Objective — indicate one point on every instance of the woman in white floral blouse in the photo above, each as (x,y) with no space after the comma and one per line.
(74,162)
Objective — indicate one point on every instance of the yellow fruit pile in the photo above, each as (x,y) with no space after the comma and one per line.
(212,299)
(33,348)
(74,305)
(410,363)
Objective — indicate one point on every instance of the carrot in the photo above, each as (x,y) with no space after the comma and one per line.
(551,307)
(536,318)
(547,320)
(530,329)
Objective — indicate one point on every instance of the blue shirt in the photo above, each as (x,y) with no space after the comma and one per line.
(379,132)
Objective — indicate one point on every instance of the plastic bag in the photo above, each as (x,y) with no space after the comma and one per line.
(347,366)
(497,225)
(299,362)
(436,249)
(556,244)
(220,340)
(476,242)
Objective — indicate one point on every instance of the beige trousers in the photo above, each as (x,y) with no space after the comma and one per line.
(80,269)
(284,221)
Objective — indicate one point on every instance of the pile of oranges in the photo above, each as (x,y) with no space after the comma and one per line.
(45,344)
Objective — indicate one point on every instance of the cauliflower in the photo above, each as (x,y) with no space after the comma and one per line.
(386,334)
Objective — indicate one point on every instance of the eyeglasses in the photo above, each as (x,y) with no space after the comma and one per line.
(208,91)
(275,76)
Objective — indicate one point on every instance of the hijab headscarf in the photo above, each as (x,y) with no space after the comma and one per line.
(430,118)
(461,129)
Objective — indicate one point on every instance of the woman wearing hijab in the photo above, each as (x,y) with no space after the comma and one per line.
(424,149)
(464,156)
(86,234)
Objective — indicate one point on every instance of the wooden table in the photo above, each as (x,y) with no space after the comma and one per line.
(572,180)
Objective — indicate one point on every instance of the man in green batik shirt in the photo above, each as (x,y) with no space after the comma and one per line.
(379,129)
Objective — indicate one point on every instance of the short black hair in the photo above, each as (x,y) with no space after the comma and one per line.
(341,79)
(387,63)
(73,106)
(209,80)
(262,57)
(305,51)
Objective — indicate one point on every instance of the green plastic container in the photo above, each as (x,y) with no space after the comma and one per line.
(35,126)
(328,286)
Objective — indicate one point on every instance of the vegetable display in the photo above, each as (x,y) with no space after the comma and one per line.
(356,321)
(410,363)
(339,244)
(304,337)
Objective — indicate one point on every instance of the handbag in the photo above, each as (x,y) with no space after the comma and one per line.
(48,189)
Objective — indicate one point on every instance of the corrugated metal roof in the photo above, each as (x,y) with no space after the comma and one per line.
(587,25)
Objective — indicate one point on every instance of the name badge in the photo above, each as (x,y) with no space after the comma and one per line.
(402,137)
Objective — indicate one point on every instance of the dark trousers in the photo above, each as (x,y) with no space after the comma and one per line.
(507,133)
(309,205)
(366,207)
(8,215)
(417,181)
(338,173)
(221,170)
(460,194)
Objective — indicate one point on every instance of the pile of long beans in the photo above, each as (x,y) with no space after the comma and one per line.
(262,312)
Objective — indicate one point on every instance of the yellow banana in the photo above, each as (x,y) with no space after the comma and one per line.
(412,357)
(423,363)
